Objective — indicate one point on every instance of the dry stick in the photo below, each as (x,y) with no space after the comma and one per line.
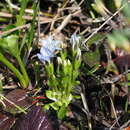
(125,125)
(114,123)
(42,18)
(7,15)
(10,86)
(70,8)
(105,123)
(18,107)
(18,8)
(103,24)
(65,22)
(113,111)
(86,109)
(58,14)
(81,2)
(86,30)
(109,58)
(27,26)
(14,29)
(113,79)
(112,107)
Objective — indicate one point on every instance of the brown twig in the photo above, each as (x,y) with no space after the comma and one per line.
(43,21)
(98,29)
(30,11)
(86,108)
(58,14)
(41,18)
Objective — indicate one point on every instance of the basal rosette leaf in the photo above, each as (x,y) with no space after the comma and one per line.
(9,44)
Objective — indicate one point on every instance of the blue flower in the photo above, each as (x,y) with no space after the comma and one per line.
(75,40)
(49,46)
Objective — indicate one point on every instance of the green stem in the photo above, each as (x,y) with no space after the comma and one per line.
(126,105)
(23,70)
(14,70)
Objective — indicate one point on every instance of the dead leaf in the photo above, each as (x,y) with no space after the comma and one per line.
(18,97)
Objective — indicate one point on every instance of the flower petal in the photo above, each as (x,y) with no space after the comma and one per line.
(43,58)
(46,52)
(48,48)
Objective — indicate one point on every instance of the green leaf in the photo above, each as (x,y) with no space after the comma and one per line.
(31,32)
(47,106)
(117,3)
(111,5)
(77,97)
(19,17)
(62,112)
(50,69)
(92,58)
(10,26)
(55,96)
(10,44)
(5,61)
(93,69)
(119,39)
(54,106)
(99,7)
(75,74)
(1,86)
(96,38)
(111,67)
(125,10)
(77,64)
(52,82)
(63,55)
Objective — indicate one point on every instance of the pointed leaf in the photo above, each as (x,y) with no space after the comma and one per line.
(62,112)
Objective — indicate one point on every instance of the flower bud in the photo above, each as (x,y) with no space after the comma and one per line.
(59,60)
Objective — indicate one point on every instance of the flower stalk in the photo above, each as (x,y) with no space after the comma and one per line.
(63,77)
